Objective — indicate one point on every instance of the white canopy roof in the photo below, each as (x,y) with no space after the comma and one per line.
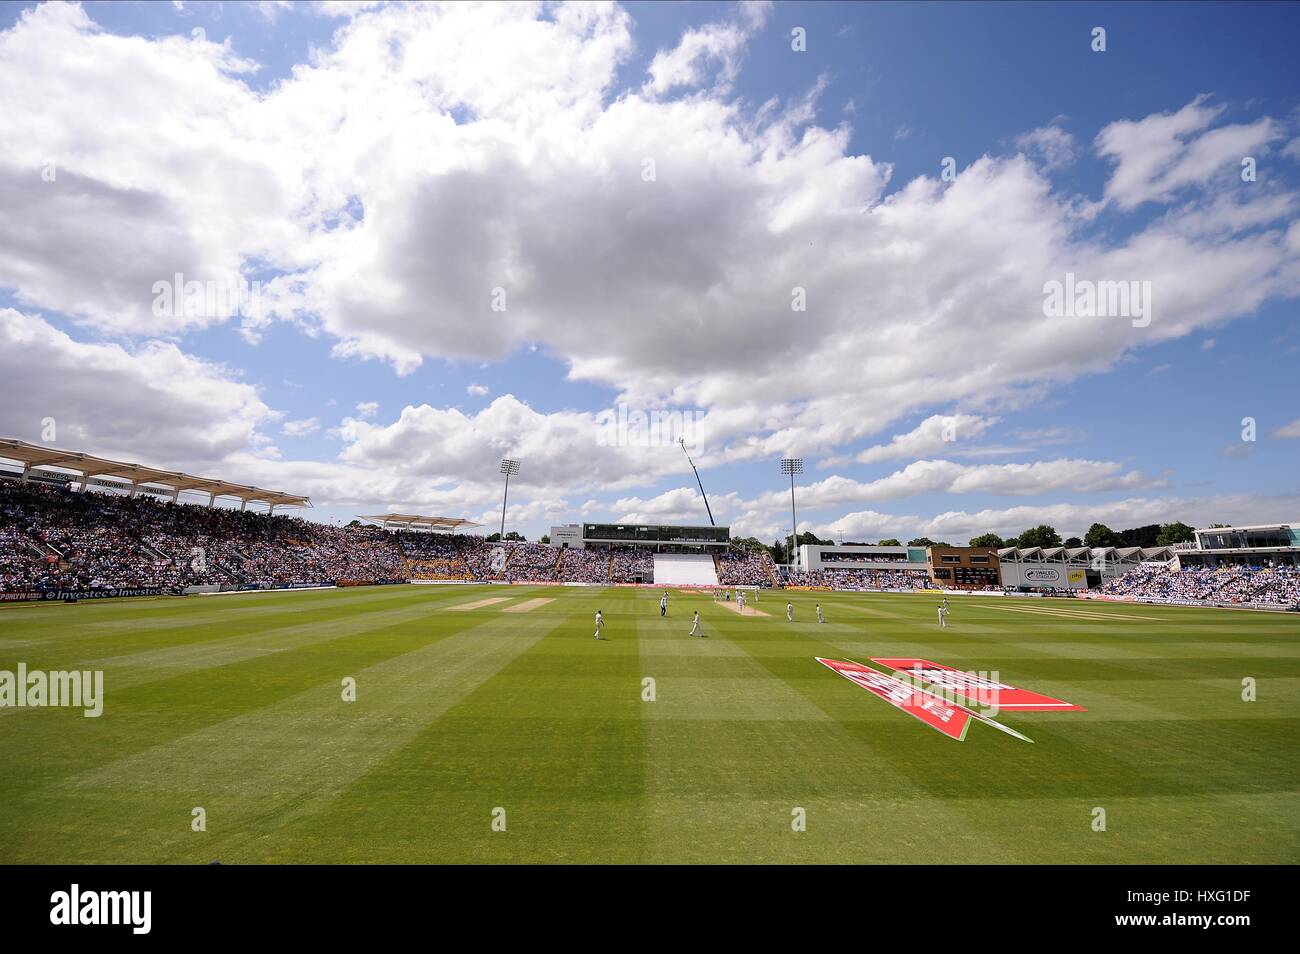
(88,466)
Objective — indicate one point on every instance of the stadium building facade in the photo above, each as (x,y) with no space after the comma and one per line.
(860,556)
(1073,568)
(1274,544)
(661,537)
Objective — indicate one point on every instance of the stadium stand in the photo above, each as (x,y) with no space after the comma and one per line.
(862,579)
(736,567)
(1224,584)
(585,566)
(53,538)
(629,564)
(56,539)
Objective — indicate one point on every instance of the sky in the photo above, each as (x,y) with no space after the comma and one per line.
(364,251)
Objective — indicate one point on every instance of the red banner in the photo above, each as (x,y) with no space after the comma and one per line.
(951,720)
(977,688)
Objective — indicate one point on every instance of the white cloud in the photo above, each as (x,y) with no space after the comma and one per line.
(1157,156)
(1291,430)
(367,408)
(565,449)
(939,432)
(301,428)
(717,45)
(1069,519)
(1050,144)
(536,187)
(427,154)
(944,476)
(476,390)
(151,403)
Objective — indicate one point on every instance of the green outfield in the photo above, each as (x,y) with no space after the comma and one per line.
(233,704)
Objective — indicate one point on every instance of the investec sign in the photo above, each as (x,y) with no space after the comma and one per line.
(103,594)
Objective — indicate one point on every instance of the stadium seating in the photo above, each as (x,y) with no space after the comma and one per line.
(1224,584)
(55,539)
(862,579)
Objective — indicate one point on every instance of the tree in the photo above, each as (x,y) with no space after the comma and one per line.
(987,540)
(518,537)
(1072,542)
(1100,535)
(778,552)
(492,538)
(751,544)
(891,542)
(544,538)
(354,523)
(807,538)
(1171,533)
(1039,536)
(925,542)
(1140,536)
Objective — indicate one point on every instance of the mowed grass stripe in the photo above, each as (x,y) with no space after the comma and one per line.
(729,742)
(159,710)
(553,738)
(279,765)
(65,644)
(748,726)
(167,661)
(1245,745)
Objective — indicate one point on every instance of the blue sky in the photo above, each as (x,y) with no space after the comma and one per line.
(382,169)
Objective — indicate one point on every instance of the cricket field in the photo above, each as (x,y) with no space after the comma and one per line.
(489,726)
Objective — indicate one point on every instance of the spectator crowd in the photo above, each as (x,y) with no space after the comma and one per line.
(1223,584)
(862,579)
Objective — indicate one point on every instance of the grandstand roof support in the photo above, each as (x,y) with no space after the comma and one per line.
(88,467)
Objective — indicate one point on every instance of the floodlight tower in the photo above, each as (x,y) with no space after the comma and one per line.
(682,441)
(508,467)
(792,466)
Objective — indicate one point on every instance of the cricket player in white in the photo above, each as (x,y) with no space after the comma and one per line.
(600,623)
(789,612)
(663,604)
(695,625)
(943,617)
(819,613)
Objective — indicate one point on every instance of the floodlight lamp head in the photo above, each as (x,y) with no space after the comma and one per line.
(792,465)
(509,466)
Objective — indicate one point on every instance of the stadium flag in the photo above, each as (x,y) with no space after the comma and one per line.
(977,689)
(950,719)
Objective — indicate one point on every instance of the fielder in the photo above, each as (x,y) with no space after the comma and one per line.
(819,613)
(600,623)
(943,616)
(789,612)
(663,604)
(695,625)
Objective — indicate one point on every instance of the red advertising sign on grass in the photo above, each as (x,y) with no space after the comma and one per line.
(951,720)
(977,688)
